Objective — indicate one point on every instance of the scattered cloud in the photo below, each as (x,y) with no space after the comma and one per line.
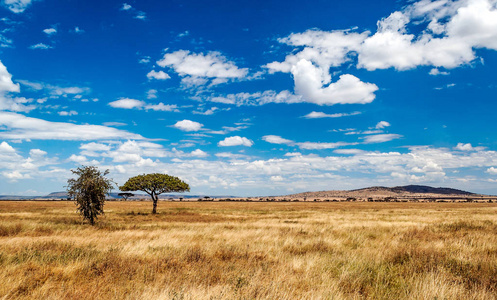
(21,127)
(144,60)
(68,113)
(17,6)
(126,6)
(140,15)
(116,124)
(6,83)
(363,132)
(275,139)
(310,67)
(467,147)
(315,87)
(452,30)
(382,124)
(127,103)
(6,148)
(321,146)
(207,112)
(162,107)
(198,153)
(50,31)
(7,101)
(78,30)
(78,159)
(349,151)
(256,99)
(53,91)
(152,94)
(321,48)
(445,86)
(5,42)
(318,115)
(188,125)
(436,72)
(492,171)
(94,147)
(228,129)
(40,46)
(161,75)
(381,138)
(183,34)
(235,141)
(130,9)
(232,156)
(199,68)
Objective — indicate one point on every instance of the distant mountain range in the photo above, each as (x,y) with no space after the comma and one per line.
(375,191)
(64,196)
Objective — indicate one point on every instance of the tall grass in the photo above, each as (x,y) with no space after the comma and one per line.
(250,251)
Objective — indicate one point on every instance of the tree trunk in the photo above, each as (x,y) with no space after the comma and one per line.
(154,199)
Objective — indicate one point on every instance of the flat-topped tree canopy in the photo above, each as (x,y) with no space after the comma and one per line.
(125,195)
(155,184)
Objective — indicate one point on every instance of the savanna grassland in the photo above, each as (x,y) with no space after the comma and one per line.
(230,250)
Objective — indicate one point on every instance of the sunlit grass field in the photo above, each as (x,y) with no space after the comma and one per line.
(229,250)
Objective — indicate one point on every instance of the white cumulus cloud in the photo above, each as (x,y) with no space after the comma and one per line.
(450,33)
(492,171)
(7,86)
(235,141)
(198,153)
(188,125)
(127,103)
(161,75)
(313,84)
(467,147)
(199,68)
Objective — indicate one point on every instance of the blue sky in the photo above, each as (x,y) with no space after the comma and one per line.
(250,97)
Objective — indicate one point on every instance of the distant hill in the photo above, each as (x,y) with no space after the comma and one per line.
(57,195)
(418,189)
(408,191)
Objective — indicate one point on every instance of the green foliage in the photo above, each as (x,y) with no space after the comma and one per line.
(88,191)
(155,184)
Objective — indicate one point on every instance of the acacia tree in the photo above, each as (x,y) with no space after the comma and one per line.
(125,196)
(155,184)
(89,190)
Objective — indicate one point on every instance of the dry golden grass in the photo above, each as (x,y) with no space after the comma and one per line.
(227,250)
